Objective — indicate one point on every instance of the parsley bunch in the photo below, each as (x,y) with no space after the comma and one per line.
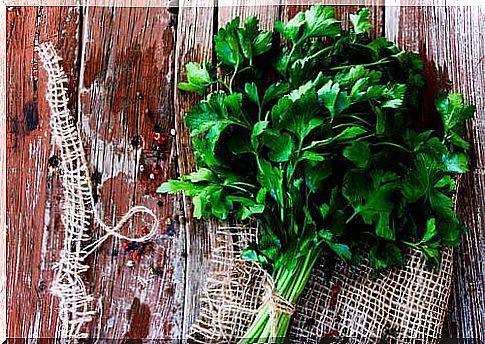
(309,132)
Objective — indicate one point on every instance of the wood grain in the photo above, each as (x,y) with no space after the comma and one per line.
(195,27)
(267,14)
(33,239)
(3,177)
(125,97)
(451,41)
(123,65)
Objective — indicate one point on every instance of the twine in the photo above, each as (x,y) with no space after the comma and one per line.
(276,303)
(75,308)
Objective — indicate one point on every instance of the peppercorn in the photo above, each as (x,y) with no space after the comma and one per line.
(144,230)
(171,231)
(54,161)
(136,141)
(156,169)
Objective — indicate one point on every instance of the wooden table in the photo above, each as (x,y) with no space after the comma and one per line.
(123,65)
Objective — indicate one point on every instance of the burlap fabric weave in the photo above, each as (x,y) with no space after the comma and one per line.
(400,305)
(347,302)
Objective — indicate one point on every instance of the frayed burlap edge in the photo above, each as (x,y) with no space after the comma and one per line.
(233,292)
(351,302)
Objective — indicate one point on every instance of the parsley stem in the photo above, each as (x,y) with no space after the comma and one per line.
(218,81)
(376,63)
(343,125)
(356,212)
(365,137)
(357,118)
(413,245)
(244,69)
(237,188)
(298,154)
(232,78)
(244,184)
(320,52)
(318,143)
(392,145)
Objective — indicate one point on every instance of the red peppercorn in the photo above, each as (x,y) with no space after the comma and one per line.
(126,245)
(156,169)
(137,257)
(162,140)
(144,230)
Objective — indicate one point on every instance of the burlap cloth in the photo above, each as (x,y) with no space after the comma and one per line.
(350,303)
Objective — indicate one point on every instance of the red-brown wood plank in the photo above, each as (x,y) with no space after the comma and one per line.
(450,39)
(3,177)
(33,237)
(126,90)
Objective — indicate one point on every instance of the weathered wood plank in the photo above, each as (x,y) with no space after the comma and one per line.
(33,237)
(267,14)
(128,66)
(125,98)
(3,177)
(451,41)
(194,43)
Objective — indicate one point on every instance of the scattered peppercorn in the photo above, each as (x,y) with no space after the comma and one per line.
(42,286)
(54,161)
(137,141)
(171,231)
(156,169)
(144,230)
(96,177)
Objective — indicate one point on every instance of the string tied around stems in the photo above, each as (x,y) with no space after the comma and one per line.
(276,303)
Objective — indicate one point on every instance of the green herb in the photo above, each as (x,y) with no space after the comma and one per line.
(319,149)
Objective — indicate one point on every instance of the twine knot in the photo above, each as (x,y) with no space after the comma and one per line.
(280,304)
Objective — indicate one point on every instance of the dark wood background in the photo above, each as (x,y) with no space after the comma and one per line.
(123,65)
